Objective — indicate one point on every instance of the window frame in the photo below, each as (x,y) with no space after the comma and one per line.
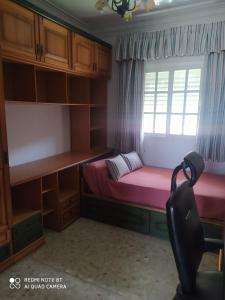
(171,65)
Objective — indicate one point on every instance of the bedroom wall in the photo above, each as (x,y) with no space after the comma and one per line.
(36,131)
(161,151)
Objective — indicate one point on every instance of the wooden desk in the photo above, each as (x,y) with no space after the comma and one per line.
(33,170)
(49,186)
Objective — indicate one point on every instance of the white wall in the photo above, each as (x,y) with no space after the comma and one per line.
(166,152)
(36,131)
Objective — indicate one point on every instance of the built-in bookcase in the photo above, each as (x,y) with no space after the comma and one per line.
(51,86)
(26,200)
(46,193)
(19,82)
(53,197)
(85,97)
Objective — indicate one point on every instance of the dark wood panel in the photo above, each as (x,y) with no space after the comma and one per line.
(121,215)
(142,219)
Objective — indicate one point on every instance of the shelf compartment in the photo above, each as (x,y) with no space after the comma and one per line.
(51,86)
(78,90)
(98,92)
(26,200)
(19,82)
(98,139)
(98,117)
(68,182)
(49,183)
(49,202)
(80,128)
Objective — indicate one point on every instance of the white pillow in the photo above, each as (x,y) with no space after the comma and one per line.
(117,167)
(132,160)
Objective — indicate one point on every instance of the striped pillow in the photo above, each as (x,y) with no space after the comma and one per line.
(132,160)
(117,167)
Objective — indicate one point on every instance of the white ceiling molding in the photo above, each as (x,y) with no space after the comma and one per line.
(200,13)
(61,14)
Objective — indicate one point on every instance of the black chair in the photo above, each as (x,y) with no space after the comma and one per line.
(187,238)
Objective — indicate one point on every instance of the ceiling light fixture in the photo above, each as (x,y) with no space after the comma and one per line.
(125,8)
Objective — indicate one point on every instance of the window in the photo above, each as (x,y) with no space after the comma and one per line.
(171,100)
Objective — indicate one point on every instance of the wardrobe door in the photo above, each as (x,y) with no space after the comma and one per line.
(83,54)
(102,64)
(18,31)
(55,43)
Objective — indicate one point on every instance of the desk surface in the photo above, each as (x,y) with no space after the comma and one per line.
(33,170)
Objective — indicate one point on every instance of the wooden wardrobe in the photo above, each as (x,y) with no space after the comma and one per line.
(45,62)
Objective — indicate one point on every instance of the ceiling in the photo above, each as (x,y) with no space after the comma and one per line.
(85,9)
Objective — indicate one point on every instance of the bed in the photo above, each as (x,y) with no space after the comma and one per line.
(138,199)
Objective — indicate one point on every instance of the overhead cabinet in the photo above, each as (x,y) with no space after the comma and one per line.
(83,54)
(89,57)
(18,31)
(54,43)
(27,36)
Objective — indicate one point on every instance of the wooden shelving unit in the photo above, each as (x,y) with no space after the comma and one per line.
(51,86)
(44,63)
(78,90)
(46,192)
(26,200)
(19,82)
(49,187)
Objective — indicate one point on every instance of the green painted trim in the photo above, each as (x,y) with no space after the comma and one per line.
(57,20)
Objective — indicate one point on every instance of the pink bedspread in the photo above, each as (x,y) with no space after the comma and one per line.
(150,186)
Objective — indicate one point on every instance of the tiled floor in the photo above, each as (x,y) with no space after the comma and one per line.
(96,262)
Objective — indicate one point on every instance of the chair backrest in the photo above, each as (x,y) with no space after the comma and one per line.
(185,230)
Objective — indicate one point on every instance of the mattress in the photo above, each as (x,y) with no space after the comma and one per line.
(150,186)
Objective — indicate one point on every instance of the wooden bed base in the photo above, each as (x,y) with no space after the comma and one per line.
(139,218)
(142,219)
